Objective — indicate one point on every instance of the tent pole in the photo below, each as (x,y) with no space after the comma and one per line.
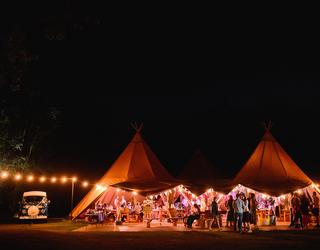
(72,194)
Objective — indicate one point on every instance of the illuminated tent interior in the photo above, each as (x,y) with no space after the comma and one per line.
(137,169)
(199,175)
(272,176)
(270,170)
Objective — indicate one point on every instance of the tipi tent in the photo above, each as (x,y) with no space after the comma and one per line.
(136,169)
(199,174)
(271,170)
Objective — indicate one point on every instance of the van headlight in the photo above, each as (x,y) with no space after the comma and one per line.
(24,211)
(42,211)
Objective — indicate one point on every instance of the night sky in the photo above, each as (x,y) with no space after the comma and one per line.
(193,87)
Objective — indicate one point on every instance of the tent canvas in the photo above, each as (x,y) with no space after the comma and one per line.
(112,194)
(136,169)
(199,175)
(271,170)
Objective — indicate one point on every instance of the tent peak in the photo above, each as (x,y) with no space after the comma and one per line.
(268,125)
(137,127)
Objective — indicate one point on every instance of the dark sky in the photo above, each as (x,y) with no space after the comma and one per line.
(191,85)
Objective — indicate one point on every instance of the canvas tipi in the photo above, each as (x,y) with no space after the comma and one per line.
(199,175)
(271,170)
(136,169)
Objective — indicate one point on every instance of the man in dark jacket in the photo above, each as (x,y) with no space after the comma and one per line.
(215,214)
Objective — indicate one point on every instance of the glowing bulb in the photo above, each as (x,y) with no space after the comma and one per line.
(74,179)
(53,179)
(42,179)
(98,186)
(4,175)
(18,177)
(299,191)
(64,179)
(134,193)
(85,184)
(30,178)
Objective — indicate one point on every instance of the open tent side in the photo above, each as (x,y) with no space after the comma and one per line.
(136,169)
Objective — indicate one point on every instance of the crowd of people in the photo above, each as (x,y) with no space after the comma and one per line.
(242,212)
(301,207)
(240,215)
(103,212)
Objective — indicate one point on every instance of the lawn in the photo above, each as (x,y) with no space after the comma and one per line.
(59,236)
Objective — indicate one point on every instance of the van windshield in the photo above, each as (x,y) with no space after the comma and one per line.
(32,199)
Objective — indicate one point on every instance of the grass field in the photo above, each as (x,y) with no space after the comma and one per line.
(60,235)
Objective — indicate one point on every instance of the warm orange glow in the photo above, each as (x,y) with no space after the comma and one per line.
(4,175)
(134,193)
(118,189)
(85,184)
(30,178)
(64,179)
(18,177)
(42,179)
(53,179)
(99,187)
(74,179)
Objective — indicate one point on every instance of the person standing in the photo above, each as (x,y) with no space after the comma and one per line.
(246,214)
(215,214)
(305,204)
(296,210)
(315,207)
(290,201)
(253,210)
(230,214)
(238,206)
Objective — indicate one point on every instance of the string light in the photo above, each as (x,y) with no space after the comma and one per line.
(4,175)
(134,193)
(30,178)
(42,179)
(18,177)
